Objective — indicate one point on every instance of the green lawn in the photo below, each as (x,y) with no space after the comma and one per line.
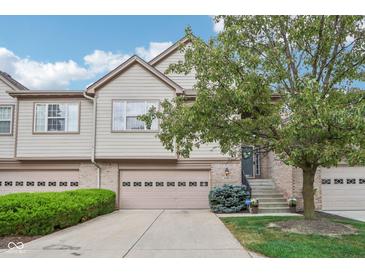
(253,234)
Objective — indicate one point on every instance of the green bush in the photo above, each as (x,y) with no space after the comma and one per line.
(43,212)
(227,199)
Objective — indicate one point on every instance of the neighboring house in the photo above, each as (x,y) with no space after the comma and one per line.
(61,140)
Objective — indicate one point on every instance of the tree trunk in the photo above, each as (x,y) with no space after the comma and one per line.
(308,192)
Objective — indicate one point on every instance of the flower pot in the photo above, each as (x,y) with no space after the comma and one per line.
(254,210)
(293,209)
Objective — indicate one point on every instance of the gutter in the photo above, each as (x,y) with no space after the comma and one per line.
(93,147)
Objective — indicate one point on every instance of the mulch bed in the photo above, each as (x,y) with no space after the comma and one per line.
(318,226)
(4,241)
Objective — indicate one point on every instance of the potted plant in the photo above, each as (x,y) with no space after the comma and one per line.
(292,203)
(254,206)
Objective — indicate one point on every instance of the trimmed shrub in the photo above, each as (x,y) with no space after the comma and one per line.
(43,212)
(227,199)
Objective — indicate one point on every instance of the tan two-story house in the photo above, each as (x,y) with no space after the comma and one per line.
(61,140)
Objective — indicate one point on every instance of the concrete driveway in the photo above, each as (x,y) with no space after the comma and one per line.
(358,215)
(139,233)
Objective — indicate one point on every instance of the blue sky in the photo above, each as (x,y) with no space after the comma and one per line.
(73,51)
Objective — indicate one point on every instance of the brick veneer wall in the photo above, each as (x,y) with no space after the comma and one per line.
(218,176)
(265,166)
(289,181)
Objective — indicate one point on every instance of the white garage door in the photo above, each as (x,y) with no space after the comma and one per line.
(343,188)
(169,189)
(38,180)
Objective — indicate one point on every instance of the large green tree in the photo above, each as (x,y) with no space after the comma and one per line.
(287,84)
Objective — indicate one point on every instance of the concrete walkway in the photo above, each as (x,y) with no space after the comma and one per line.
(139,233)
(358,215)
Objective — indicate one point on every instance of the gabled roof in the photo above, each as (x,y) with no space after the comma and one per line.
(11,82)
(124,66)
(168,51)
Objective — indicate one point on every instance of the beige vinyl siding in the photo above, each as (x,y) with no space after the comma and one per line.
(134,83)
(186,81)
(7,143)
(54,145)
(207,151)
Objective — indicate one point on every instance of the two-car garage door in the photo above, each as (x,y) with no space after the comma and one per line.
(169,189)
(343,188)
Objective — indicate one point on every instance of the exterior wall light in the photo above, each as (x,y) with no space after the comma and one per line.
(227,172)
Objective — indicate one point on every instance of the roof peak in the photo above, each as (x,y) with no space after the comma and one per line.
(168,51)
(10,80)
(119,69)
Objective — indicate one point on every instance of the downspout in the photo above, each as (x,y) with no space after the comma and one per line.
(98,168)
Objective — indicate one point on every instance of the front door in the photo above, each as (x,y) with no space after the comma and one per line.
(248,161)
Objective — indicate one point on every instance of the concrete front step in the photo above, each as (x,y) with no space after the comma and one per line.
(262,187)
(272,200)
(264,190)
(262,184)
(272,204)
(274,209)
(260,180)
(271,196)
(255,193)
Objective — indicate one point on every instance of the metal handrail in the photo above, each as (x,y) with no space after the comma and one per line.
(246,184)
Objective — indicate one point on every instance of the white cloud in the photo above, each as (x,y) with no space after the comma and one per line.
(101,61)
(45,75)
(153,50)
(218,26)
(59,75)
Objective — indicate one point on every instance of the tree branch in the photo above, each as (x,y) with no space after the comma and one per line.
(335,53)
(319,47)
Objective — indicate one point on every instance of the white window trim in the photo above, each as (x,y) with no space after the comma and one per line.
(125,101)
(46,131)
(11,120)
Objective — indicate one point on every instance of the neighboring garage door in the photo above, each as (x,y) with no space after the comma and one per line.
(38,180)
(169,189)
(343,188)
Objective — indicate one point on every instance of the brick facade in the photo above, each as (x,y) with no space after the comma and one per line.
(289,181)
(218,176)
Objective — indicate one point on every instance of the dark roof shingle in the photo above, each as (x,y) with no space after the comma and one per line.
(13,81)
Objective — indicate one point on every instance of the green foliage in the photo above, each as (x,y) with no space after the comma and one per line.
(42,213)
(227,199)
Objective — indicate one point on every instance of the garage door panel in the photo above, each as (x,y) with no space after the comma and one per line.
(345,196)
(169,197)
(38,180)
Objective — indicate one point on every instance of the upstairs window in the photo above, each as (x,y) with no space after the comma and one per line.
(126,112)
(6,119)
(56,117)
